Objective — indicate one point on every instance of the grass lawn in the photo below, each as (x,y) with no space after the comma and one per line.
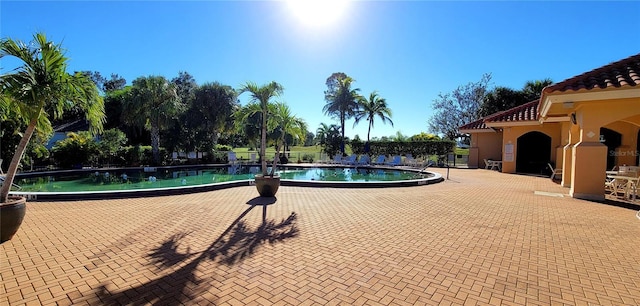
(460,151)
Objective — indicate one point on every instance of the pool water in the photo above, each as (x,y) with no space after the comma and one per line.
(349,175)
(167,177)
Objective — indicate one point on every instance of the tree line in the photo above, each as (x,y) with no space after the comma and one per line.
(475,100)
(178,114)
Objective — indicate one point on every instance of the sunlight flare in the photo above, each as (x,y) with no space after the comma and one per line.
(318,13)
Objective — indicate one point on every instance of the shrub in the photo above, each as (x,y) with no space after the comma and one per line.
(133,155)
(416,148)
(215,157)
(220,147)
(142,155)
(111,146)
(308,157)
(76,150)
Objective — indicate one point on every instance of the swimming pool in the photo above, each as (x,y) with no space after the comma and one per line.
(127,182)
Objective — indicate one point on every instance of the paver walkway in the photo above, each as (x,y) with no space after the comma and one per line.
(480,238)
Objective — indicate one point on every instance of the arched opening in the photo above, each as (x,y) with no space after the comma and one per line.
(612,140)
(534,152)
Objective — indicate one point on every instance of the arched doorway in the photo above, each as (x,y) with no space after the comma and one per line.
(612,140)
(534,152)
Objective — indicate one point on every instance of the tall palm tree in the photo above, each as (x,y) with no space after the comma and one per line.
(153,103)
(262,95)
(288,124)
(213,105)
(371,108)
(342,103)
(41,89)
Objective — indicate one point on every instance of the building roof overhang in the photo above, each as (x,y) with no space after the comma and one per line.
(563,103)
(617,80)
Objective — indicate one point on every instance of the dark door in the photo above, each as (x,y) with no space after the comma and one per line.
(534,152)
(612,140)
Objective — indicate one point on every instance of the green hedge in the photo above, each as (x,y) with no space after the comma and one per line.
(415,148)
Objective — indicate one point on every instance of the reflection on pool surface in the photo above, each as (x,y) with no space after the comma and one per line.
(151,178)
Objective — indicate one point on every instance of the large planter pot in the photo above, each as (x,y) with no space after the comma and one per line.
(11,215)
(267,185)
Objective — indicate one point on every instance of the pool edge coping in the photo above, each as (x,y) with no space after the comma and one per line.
(153,192)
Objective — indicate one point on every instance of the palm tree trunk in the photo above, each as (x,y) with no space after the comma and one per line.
(263,144)
(15,161)
(342,120)
(155,144)
(276,158)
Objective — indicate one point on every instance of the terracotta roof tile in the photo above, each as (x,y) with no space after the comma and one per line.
(623,73)
(476,125)
(524,112)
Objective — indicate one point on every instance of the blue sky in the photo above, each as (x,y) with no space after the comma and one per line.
(409,51)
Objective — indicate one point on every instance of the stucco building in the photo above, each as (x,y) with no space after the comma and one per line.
(583,125)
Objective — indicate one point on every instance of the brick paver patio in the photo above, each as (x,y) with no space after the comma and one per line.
(480,238)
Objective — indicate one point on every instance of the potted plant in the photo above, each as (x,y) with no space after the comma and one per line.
(261,96)
(38,90)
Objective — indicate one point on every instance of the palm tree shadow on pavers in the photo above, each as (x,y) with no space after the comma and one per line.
(182,285)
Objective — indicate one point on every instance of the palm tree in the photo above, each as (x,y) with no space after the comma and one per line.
(153,103)
(247,122)
(323,132)
(287,124)
(375,106)
(213,106)
(262,95)
(326,135)
(41,89)
(342,103)
(533,89)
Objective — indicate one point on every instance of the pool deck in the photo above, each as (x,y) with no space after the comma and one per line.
(480,238)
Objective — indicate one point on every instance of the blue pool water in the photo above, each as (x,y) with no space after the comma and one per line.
(152,178)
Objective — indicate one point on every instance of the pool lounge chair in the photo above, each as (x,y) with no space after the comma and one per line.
(231,156)
(364,160)
(379,160)
(395,161)
(410,161)
(13,184)
(337,159)
(351,160)
(252,158)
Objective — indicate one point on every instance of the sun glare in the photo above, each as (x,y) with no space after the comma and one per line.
(318,12)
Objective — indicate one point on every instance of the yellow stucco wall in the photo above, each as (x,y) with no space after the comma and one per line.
(575,148)
(510,135)
(484,146)
(589,156)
